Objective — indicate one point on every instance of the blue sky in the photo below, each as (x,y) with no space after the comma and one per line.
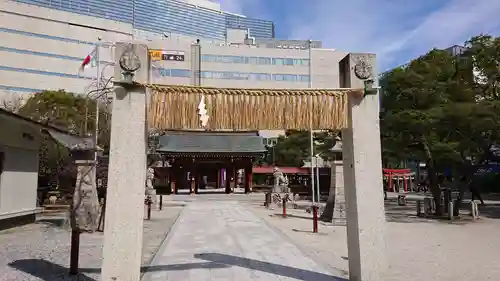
(396,30)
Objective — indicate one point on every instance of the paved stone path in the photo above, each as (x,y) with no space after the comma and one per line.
(225,241)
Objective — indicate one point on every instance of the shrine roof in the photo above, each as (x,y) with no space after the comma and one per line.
(247,142)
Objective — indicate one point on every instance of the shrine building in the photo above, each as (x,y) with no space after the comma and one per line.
(209,159)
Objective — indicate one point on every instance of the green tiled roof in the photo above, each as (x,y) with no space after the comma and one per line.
(210,142)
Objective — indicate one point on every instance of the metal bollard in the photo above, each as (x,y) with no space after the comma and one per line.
(266,200)
(427,206)
(161,202)
(475,210)
(419,208)
(450,209)
(284,207)
(315,218)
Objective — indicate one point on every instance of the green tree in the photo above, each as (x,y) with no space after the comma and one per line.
(69,112)
(294,148)
(434,110)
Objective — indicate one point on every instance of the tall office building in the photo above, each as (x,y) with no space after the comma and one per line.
(199,18)
(44,42)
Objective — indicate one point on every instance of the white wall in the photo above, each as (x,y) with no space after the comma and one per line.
(19,179)
(18,182)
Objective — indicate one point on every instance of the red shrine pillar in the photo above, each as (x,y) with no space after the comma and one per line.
(173,179)
(234,176)
(193,180)
(192,184)
(248,179)
(229,175)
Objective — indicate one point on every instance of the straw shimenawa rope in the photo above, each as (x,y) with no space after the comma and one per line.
(176,107)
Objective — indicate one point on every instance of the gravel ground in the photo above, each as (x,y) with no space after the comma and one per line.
(418,249)
(40,251)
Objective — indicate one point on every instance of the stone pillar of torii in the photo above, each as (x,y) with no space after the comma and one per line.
(127,170)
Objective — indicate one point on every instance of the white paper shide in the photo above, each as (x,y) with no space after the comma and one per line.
(202,111)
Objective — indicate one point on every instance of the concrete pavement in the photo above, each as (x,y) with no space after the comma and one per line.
(225,241)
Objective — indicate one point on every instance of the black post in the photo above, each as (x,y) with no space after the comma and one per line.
(100,226)
(161,202)
(149,207)
(75,252)
(284,207)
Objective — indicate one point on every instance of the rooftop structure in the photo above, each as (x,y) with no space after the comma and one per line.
(44,52)
(194,18)
(198,143)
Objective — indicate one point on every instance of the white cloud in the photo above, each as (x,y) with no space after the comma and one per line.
(395,30)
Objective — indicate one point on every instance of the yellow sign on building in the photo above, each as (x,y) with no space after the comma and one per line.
(155,55)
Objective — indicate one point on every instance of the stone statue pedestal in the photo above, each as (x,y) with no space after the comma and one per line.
(85,205)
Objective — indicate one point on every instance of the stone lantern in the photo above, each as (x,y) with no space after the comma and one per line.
(337,182)
(85,207)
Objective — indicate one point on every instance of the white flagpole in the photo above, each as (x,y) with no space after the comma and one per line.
(317,179)
(97,101)
(311,139)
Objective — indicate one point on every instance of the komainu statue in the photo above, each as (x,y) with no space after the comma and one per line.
(280,189)
(150,191)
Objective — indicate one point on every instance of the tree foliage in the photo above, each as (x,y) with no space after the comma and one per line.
(68,111)
(294,148)
(435,110)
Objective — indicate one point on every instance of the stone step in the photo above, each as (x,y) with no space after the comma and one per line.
(56,206)
(52,213)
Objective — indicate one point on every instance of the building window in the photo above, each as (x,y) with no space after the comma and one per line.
(285,77)
(304,78)
(254,76)
(265,60)
(278,61)
(166,72)
(254,60)
(180,73)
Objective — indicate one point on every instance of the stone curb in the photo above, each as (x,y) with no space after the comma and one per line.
(146,275)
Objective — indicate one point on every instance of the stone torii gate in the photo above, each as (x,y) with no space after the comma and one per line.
(347,109)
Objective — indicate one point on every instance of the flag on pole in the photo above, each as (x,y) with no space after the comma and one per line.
(89,61)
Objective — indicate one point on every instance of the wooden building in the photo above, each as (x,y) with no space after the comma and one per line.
(201,158)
